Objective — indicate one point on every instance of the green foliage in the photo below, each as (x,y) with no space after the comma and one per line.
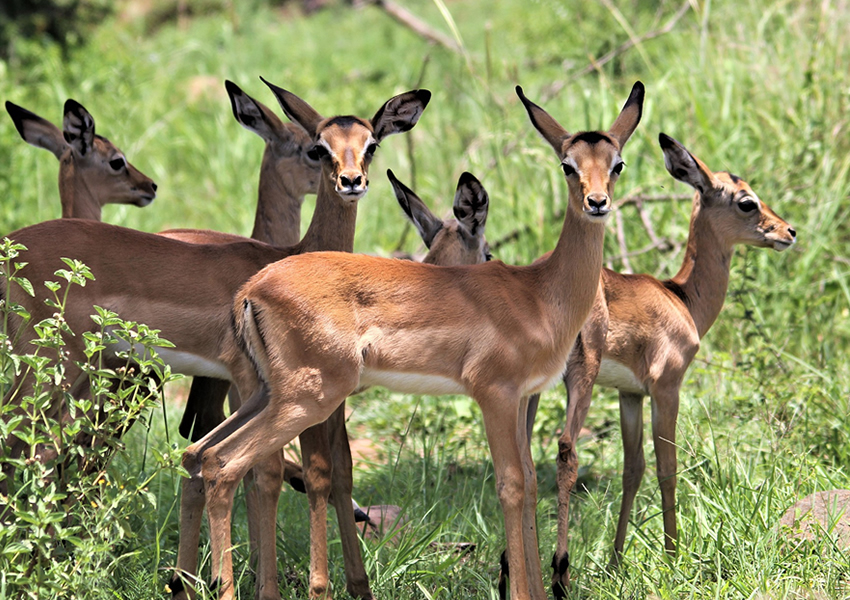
(65,514)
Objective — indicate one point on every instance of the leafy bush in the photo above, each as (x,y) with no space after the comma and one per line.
(63,512)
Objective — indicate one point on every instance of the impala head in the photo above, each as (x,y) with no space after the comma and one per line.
(458,241)
(287,155)
(737,215)
(91,159)
(591,159)
(345,145)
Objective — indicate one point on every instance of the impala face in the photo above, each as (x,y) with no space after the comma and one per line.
(108,175)
(105,169)
(590,160)
(735,210)
(345,146)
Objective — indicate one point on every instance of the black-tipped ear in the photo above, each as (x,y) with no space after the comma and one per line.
(78,127)
(684,166)
(420,215)
(254,115)
(629,116)
(36,130)
(545,124)
(400,113)
(471,204)
(296,109)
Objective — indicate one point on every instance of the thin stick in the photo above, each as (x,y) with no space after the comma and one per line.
(415,24)
(595,63)
(621,241)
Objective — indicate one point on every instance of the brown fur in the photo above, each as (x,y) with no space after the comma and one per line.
(508,333)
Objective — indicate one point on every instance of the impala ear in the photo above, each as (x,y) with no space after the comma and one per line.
(684,166)
(296,109)
(420,215)
(78,127)
(471,204)
(400,113)
(36,130)
(629,117)
(253,115)
(545,124)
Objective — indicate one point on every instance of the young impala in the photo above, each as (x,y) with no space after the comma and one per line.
(318,327)
(189,289)
(92,171)
(653,332)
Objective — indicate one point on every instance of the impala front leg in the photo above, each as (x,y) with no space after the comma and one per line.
(318,473)
(529,507)
(665,412)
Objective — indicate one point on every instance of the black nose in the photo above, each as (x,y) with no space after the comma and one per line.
(597,200)
(153,186)
(793,232)
(350,183)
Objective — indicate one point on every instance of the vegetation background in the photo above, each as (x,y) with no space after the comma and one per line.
(758,88)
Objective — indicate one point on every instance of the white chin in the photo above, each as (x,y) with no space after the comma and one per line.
(781,246)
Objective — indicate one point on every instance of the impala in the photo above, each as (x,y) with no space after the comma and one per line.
(190,287)
(653,333)
(318,327)
(92,171)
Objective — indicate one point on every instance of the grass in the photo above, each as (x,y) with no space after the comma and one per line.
(761,89)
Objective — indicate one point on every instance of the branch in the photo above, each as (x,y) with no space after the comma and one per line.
(415,24)
(596,63)
(639,199)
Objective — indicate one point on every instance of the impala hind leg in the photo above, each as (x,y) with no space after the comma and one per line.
(193,498)
(356,580)
(634,465)
(262,486)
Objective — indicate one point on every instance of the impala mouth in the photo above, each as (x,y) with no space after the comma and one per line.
(144,201)
(780,245)
(597,213)
(352,195)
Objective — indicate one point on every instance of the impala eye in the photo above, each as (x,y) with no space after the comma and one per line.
(568,169)
(747,205)
(117,164)
(317,152)
(618,168)
(370,150)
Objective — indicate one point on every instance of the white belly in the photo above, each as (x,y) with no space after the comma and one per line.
(616,375)
(409,383)
(182,362)
(541,384)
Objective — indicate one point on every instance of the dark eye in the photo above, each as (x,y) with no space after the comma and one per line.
(568,169)
(747,205)
(618,168)
(117,164)
(487,256)
(317,152)
(370,150)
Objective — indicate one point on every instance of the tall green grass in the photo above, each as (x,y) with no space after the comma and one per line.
(761,89)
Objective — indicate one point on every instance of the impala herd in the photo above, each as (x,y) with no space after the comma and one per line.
(300,323)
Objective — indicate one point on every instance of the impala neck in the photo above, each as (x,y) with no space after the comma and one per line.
(332,227)
(704,274)
(571,274)
(76,198)
(278,218)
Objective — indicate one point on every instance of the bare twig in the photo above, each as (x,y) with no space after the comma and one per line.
(415,24)
(642,198)
(621,241)
(595,63)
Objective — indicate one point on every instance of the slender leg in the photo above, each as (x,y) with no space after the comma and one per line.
(501,422)
(356,580)
(316,453)
(263,483)
(665,412)
(529,507)
(582,370)
(634,464)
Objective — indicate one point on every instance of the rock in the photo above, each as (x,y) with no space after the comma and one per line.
(819,515)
